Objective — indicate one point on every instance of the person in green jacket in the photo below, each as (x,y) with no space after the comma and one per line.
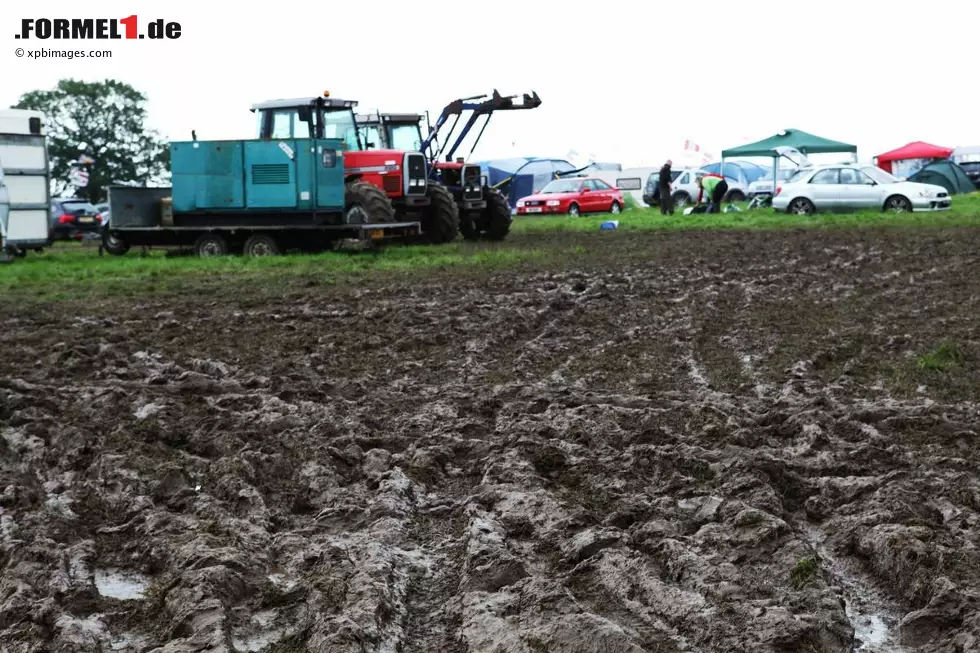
(716,188)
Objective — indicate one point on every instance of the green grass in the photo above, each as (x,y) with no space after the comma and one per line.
(965,212)
(69,271)
(943,358)
(73,271)
(804,572)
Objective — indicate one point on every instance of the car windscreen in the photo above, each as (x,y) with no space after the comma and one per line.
(798,176)
(78,208)
(562,186)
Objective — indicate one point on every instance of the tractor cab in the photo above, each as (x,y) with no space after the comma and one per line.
(396,131)
(312,117)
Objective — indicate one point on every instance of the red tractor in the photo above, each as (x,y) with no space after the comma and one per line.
(483,211)
(382,185)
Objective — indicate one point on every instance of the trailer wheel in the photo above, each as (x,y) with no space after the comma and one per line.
(211,245)
(365,203)
(261,245)
(440,222)
(115,246)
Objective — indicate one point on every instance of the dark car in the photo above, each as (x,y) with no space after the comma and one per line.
(74,219)
(651,193)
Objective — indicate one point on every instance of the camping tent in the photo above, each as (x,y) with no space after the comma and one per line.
(915,151)
(796,139)
(947,174)
(736,170)
(520,177)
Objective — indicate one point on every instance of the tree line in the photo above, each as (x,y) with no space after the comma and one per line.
(99,127)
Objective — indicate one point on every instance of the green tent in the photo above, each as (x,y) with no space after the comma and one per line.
(798,140)
(947,174)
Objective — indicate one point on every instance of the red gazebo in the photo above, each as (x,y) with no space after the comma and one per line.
(914,150)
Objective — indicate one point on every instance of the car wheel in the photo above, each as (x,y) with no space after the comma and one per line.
(681,199)
(615,209)
(573,210)
(736,196)
(801,206)
(898,204)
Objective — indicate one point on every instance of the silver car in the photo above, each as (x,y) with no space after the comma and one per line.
(855,187)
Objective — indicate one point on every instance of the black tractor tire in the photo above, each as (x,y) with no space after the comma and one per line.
(469,224)
(261,245)
(211,245)
(497,218)
(492,223)
(115,246)
(365,203)
(440,221)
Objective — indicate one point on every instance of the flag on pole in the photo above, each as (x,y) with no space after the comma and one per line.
(78,177)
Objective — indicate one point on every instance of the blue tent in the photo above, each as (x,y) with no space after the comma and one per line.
(520,177)
(750,171)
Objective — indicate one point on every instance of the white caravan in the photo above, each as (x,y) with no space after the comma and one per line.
(26,176)
(628,180)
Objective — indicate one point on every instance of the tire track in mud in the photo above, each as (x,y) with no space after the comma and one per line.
(522,464)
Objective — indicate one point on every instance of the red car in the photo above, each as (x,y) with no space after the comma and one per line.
(574,196)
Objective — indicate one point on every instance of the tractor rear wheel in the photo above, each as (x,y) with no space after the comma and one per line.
(365,203)
(440,222)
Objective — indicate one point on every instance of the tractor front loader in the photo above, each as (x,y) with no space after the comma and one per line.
(483,211)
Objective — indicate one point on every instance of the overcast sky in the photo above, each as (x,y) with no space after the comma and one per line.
(626,81)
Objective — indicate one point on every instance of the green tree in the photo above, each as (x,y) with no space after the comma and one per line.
(106,121)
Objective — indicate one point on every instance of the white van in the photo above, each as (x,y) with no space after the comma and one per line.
(628,180)
(27,178)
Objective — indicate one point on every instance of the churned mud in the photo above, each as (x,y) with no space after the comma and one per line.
(705,442)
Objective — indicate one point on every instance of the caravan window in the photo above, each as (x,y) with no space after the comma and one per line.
(629,183)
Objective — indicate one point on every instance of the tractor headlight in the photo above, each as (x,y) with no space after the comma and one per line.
(553,202)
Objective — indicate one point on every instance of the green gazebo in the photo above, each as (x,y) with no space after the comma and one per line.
(795,139)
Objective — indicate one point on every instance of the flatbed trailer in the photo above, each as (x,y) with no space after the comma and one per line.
(216,240)
(257,198)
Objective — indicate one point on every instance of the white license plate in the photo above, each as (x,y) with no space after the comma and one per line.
(86,219)
(534,209)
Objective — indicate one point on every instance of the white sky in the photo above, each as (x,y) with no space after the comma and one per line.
(839,69)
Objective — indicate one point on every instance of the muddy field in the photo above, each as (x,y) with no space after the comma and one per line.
(711,443)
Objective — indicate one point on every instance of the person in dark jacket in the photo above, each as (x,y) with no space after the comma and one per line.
(663,184)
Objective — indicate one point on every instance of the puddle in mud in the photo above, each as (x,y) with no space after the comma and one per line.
(874,617)
(872,632)
(129,642)
(117,584)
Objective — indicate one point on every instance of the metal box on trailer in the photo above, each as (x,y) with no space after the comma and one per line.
(235,176)
(135,207)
